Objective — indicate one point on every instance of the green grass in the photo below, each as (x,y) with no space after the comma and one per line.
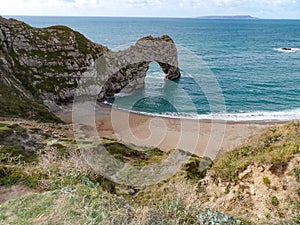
(16,153)
(134,157)
(4,128)
(274,147)
(9,175)
(274,201)
(82,204)
(69,140)
(5,131)
(52,84)
(196,168)
(15,104)
(60,27)
(266,181)
(56,55)
(297,174)
(28,209)
(81,41)
(15,142)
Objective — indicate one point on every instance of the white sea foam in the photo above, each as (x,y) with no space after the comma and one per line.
(123,94)
(293,50)
(286,115)
(257,116)
(155,75)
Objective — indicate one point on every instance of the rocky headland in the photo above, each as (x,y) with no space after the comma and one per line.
(40,68)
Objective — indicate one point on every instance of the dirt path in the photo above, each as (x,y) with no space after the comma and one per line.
(14,191)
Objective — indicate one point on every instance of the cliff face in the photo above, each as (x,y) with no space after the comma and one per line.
(47,61)
(45,65)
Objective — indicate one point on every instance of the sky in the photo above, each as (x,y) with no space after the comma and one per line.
(271,9)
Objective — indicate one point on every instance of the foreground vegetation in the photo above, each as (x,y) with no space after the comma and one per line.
(274,147)
(64,189)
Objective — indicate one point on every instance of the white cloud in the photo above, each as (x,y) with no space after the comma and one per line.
(179,8)
(259,8)
(220,3)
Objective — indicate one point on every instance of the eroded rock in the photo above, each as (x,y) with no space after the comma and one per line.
(50,62)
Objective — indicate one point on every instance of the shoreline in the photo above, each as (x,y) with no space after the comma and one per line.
(201,137)
(164,116)
(216,119)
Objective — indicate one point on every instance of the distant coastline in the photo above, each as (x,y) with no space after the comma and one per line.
(235,17)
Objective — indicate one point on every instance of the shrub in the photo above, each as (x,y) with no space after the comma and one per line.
(274,201)
(210,218)
(266,181)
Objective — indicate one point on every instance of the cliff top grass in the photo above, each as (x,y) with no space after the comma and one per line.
(274,148)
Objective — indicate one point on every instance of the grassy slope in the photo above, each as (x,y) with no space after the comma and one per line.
(76,195)
(22,99)
(58,168)
(15,101)
(275,147)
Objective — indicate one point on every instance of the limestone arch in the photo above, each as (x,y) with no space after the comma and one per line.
(126,70)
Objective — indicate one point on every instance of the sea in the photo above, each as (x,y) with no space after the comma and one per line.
(233,70)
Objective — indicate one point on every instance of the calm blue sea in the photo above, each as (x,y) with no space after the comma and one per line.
(258,80)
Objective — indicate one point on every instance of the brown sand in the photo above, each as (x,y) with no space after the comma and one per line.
(201,137)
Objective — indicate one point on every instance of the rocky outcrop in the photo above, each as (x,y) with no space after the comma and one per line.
(49,62)
(286,49)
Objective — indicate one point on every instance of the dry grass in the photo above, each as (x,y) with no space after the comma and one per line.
(77,195)
(274,147)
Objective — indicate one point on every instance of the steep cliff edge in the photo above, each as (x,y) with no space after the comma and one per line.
(43,67)
(48,61)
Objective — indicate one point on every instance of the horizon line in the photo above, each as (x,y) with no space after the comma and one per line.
(162,17)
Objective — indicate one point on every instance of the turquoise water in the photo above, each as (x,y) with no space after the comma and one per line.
(258,80)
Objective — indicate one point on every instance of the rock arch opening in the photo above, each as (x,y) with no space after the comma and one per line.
(127,69)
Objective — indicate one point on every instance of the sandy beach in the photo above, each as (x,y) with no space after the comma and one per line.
(201,137)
